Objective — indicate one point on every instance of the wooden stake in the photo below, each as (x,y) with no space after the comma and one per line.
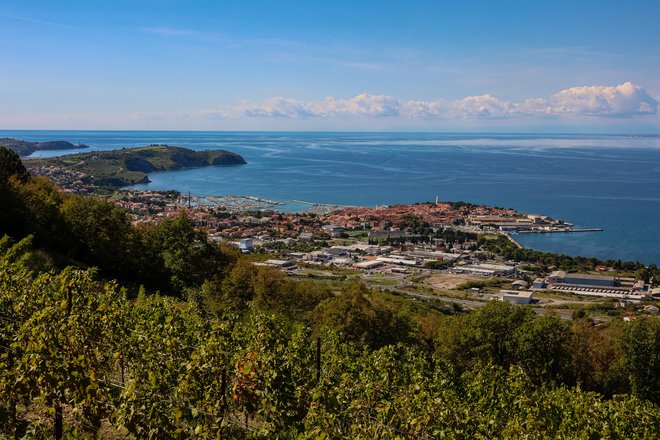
(59,431)
(318,360)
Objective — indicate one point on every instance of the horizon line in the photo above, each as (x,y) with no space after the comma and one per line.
(338,131)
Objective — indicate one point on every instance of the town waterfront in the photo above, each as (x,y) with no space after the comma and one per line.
(592,181)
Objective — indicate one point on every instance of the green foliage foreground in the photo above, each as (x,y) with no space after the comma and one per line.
(238,357)
(88,231)
(159,368)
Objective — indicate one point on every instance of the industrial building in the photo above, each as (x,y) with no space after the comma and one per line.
(516,296)
(336,251)
(487,270)
(301,256)
(392,259)
(593,285)
(581,279)
(368,264)
(281,264)
(433,255)
(519,285)
(538,284)
(591,280)
(322,256)
(343,261)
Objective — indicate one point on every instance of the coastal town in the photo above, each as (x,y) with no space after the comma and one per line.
(424,250)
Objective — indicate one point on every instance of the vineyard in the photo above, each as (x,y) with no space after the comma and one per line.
(78,359)
(193,341)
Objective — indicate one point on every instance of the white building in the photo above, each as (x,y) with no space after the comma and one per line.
(343,261)
(487,270)
(516,296)
(394,259)
(246,245)
(368,264)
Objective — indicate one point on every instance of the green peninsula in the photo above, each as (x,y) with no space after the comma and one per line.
(25,148)
(128,166)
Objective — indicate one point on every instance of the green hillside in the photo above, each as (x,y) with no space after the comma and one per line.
(132,165)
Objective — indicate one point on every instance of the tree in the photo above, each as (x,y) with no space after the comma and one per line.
(11,166)
(495,327)
(181,255)
(11,169)
(596,357)
(542,349)
(37,204)
(237,288)
(454,341)
(641,348)
(356,316)
(101,233)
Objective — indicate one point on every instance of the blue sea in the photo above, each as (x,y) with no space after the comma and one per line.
(602,181)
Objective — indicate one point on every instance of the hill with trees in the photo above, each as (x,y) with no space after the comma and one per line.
(129,166)
(25,148)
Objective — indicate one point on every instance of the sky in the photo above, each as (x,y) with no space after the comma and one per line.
(360,65)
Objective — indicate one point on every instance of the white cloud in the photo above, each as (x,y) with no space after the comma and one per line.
(439,109)
(484,106)
(280,107)
(624,100)
(364,105)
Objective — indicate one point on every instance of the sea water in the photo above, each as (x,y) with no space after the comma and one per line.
(593,181)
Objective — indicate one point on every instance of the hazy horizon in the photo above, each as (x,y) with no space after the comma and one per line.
(393,131)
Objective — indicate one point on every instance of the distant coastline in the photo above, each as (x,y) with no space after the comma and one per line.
(26,148)
(129,166)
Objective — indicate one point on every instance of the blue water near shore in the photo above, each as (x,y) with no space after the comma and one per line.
(609,182)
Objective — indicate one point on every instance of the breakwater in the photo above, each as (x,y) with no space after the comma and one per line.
(553,231)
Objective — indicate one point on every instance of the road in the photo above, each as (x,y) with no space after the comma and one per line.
(472,304)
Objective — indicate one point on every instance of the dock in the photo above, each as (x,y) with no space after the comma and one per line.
(518,245)
(553,231)
(263,200)
(302,202)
